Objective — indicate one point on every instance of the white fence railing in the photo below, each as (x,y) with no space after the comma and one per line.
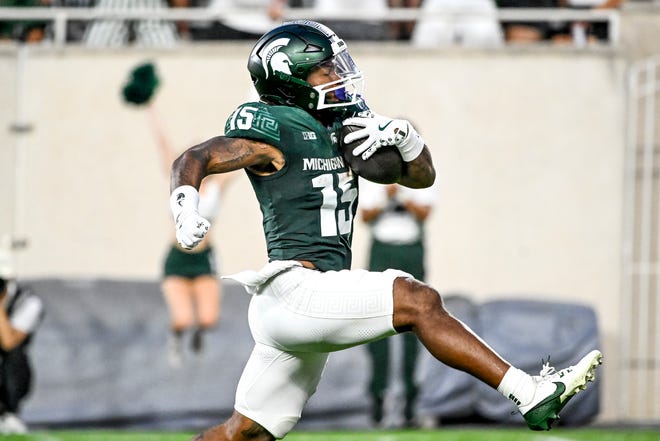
(640,308)
(61,16)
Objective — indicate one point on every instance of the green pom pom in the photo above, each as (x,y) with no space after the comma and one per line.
(141,84)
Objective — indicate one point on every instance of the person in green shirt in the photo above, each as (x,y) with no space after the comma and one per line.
(307,301)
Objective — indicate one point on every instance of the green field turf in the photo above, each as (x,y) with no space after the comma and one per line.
(410,435)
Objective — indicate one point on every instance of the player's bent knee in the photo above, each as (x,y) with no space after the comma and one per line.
(414,301)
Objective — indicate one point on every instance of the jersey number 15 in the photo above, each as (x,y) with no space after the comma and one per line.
(337,208)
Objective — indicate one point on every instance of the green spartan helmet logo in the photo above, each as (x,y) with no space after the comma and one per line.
(271,56)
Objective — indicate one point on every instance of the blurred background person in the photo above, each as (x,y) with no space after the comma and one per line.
(195,29)
(182,26)
(260,17)
(470,23)
(75,29)
(402,30)
(395,215)
(254,18)
(21,312)
(528,31)
(370,30)
(190,283)
(143,33)
(34,31)
(27,31)
(582,33)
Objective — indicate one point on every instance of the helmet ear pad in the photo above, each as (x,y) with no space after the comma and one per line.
(292,91)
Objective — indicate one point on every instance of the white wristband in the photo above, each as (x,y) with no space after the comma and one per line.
(185,197)
(412,146)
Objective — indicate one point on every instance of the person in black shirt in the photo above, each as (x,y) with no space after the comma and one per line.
(21,312)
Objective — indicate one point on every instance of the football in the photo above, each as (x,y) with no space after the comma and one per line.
(385,166)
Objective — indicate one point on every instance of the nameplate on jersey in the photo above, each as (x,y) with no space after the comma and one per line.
(323,164)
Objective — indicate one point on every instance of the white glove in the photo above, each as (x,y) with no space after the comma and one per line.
(380,131)
(190,226)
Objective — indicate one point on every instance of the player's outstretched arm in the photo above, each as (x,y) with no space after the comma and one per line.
(221,155)
(217,155)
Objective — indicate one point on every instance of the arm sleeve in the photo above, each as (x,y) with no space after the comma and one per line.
(27,315)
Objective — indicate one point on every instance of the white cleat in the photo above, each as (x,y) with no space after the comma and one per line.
(555,388)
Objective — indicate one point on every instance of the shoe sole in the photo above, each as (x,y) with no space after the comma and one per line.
(587,365)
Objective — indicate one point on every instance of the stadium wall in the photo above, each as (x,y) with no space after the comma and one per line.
(528,146)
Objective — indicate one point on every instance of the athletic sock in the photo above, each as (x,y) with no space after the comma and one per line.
(197,341)
(517,386)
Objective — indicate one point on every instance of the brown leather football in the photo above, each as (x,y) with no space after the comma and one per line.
(385,166)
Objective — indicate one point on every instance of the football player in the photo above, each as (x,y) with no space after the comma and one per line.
(306,301)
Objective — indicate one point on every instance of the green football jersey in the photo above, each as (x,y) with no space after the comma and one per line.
(309,205)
